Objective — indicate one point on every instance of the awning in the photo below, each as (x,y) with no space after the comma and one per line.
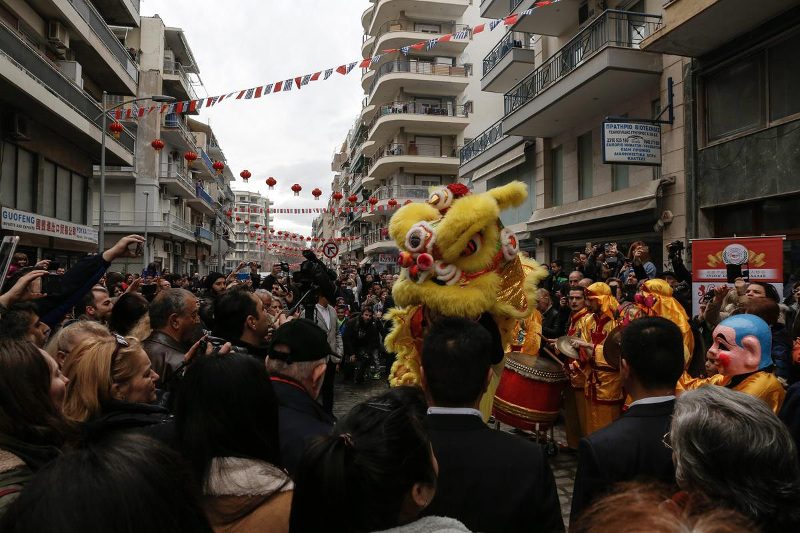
(507,161)
(637,199)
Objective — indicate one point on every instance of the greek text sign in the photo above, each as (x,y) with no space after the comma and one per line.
(51,227)
(631,143)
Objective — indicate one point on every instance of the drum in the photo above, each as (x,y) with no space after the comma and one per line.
(529,394)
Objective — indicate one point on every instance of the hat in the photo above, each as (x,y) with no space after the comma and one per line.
(211,278)
(668,273)
(305,339)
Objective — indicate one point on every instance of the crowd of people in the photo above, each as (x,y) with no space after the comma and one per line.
(165,402)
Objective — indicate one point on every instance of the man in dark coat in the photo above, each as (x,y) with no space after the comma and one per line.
(362,344)
(490,480)
(633,448)
(297,361)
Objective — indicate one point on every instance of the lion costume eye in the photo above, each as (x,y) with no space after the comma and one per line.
(473,246)
(419,238)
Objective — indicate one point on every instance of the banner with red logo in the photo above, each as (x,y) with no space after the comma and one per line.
(759,258)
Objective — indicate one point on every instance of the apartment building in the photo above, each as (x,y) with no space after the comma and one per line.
(251,221)
(179,203)
(56,58)
(742,116)
(418,107)
(562,72)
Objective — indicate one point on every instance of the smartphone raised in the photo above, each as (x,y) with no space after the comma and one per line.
(51,284)
(733,272)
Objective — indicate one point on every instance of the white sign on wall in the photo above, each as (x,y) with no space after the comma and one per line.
(50,227)
(631,143)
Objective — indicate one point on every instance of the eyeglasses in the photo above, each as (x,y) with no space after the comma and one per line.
(665,440)
(121,342)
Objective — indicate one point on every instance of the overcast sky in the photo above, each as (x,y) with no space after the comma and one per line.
(291,136)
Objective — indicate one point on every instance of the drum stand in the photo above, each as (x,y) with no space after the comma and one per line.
(540,436)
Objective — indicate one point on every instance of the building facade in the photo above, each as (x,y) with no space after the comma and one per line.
(56,59)
(252,222)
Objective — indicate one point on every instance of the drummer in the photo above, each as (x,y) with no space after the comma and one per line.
(574,401)
(603,389)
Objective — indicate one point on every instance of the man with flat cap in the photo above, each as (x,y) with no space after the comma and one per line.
(297,361)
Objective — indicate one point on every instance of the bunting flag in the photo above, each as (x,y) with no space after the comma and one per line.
(250,93)
(319,210)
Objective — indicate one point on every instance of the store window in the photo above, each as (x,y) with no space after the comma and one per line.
(558,176)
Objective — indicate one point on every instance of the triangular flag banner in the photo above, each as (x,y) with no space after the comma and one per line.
(342,69)
(268,88)
(478,29)
(328,73)
(278,86)
(315,76)
(511,20)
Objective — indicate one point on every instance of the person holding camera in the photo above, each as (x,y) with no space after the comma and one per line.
(639,259)
(241,319)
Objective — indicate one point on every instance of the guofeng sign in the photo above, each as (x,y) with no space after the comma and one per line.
(50,227)
(631,143)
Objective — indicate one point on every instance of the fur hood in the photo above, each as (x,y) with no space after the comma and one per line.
(234,476)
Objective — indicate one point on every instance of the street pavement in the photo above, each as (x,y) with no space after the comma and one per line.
(564,465)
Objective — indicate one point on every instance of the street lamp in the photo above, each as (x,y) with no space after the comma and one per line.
(146,255)
(101,233)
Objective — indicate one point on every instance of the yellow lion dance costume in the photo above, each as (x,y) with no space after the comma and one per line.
(458,260)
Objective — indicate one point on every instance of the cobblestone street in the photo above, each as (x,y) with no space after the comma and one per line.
(564,465)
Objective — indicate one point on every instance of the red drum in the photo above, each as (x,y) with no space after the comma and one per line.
(529,394)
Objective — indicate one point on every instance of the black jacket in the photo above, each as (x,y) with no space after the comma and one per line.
(550,320)
(148,419)
(75,283)
(300,419)
(490,480)
(166,355)
(628,449)
(360,338)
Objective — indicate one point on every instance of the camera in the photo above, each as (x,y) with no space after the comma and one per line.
(314,279)
(675,247)
(708,296)
(217,343)
(285,267)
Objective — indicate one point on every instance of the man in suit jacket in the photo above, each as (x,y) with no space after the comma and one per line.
(632,447)
(326,318)
(490,480)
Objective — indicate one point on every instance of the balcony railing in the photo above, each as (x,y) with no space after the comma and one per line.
(174,121)
(177,224)
(173,171)
(203,195)
(445,109)
(208,162)
(153,221)
(88,13)
(413,66)
(49,76)
(202,233)
(380,235)
(412,149)
(174,68)
(621,29)
(511,40)
(401,191)
(411,26)
(482,142)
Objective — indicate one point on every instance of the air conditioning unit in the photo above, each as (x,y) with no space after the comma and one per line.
(178,248)
(57,34)
(72,70)
(168,247)
(18,128)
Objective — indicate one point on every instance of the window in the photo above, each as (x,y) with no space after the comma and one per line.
(8,158)
(427,28)
(753,92)
(585,166)
(78,199)
(48,192)
(619,177)
(427,146)
(63,190)
(558,175)
(26,180)
(526,173)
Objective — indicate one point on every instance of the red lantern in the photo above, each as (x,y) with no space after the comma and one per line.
(308,238)
(271,182)
(316,193)
(337,196)
(190,157)
(218,166)
(115,128)
(272,230)
(247,222)
(352,198)
(372,200)
(296,188)
(238,219)
(157,145)
(257,225)
(245,174)
(392,202)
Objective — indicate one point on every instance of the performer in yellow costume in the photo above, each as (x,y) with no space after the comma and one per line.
(574,399)
(666,306)
(457,259)
(742,352)
(603,390)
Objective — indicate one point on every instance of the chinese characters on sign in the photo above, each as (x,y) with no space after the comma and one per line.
(50,227)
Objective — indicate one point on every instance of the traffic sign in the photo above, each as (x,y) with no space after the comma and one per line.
(330,250)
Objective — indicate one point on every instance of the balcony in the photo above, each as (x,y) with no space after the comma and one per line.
(204,235)
(412,158)
(696,27)
(508,63)
(553,19)
(177,83)
(174,177)
(175,131)
(378,241)
(385,10)
(600,67)
(165,225)
(101,53)
(401,193)
(417,77)
(119,12)
(495,9)
(405,32)
(416,117)
(30,81)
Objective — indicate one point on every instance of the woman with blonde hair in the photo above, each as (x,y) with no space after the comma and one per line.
(112,388)
(67,338)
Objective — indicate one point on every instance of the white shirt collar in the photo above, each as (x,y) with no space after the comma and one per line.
(652,399)
(454,411)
